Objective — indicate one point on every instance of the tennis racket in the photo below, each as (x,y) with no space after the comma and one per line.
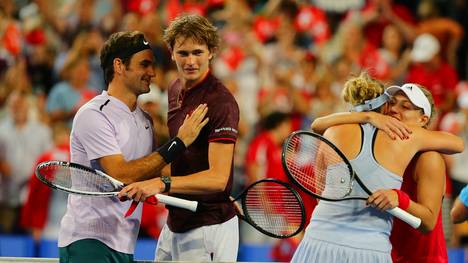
(81,180)
(272,207)
(319,168)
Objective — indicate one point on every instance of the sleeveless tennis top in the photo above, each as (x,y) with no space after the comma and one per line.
(425,247)
(351,223)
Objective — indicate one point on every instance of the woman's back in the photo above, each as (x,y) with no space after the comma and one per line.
(358,225)
(393,155)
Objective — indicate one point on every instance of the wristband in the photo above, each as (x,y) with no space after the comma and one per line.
(403,199)
(170,150)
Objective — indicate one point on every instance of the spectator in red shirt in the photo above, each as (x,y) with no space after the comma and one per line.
(431,71)
(378,14)
(263,159)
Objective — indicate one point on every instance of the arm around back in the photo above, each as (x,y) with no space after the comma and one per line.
(213,180)
(429,175)
(391,126)
(443,142)
(321,124)
(150,166)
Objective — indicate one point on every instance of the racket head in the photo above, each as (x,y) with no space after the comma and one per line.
(317,166)
(273,207)
(75,179)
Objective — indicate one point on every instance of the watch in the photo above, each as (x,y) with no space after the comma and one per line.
(167,183)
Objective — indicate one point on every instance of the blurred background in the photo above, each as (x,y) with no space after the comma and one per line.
(285,61)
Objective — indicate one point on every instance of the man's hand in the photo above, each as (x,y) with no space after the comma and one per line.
(193,124)
(139,191)
(237,207)
(383,199)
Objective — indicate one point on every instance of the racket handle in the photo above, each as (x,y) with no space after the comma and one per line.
(177,202)
(408,218)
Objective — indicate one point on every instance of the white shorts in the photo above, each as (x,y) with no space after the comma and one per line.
(207,243)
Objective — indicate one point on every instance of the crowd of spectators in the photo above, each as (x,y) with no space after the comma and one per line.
(287,56)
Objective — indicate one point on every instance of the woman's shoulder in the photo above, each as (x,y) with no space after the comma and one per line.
(343,131)
(344,128)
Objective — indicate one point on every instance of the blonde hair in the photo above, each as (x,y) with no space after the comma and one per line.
(195,27)
(361,88)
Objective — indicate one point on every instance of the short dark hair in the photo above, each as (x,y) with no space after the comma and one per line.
(192,26)
(275,119)
(120,45)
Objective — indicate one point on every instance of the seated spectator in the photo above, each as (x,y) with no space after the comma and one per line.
(431,71)
(67,96)
(22,140)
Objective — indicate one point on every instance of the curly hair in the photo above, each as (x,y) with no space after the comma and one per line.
(192,26)
(361,88)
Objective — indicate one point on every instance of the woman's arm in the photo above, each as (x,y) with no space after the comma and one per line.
(321,124)
(443,142)
(389,125)
(429,175)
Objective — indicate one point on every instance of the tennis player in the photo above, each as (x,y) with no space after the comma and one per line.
(204,172)
(364,230)
(423,181)
(111,133)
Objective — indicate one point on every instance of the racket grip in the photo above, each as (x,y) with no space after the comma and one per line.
(177,202)
(408,218)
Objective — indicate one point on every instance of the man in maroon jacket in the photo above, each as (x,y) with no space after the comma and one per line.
(204,171)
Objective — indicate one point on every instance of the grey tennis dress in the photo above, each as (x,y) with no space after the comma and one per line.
(350,231)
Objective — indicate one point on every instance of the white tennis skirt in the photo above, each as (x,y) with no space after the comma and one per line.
(313,250)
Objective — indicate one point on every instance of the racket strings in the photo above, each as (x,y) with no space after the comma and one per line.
(274,208)
(76,179)
(317,167)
